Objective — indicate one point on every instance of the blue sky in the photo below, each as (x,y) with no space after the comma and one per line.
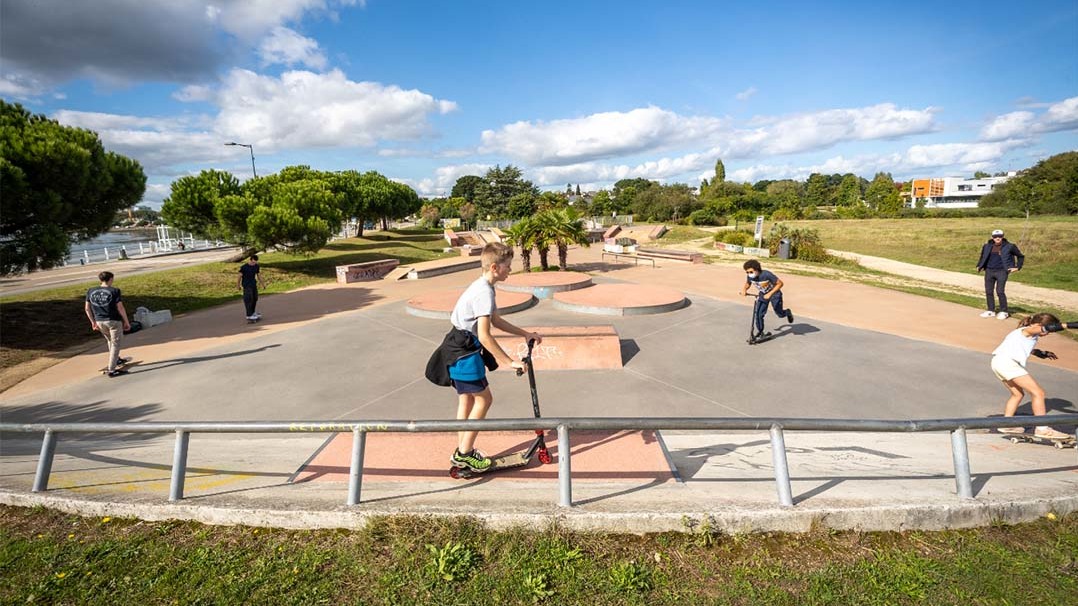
(571,92)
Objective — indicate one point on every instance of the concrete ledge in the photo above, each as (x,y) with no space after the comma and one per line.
(439,305)
(621,300)
(438,268)
(580,518)
(568,347)
(365,272)
(672,253)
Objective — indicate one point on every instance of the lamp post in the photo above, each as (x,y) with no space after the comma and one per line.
(252,150)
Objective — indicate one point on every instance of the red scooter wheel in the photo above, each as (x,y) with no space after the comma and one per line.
(544,456)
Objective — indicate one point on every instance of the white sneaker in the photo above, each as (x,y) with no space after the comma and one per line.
(1051,434)
(1002,315)
(987,314)
(252,318)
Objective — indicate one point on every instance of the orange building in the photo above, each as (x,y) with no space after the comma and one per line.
(927,188)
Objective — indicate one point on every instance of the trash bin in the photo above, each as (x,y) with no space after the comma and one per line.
(784,248)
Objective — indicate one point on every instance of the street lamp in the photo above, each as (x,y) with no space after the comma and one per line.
(252,150)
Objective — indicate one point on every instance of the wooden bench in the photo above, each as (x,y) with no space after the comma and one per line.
(365,272)
(672,253)
(636,259)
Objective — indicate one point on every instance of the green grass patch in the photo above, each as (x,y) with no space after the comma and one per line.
(683,233)
(955,244)
(45,322)
(48,557)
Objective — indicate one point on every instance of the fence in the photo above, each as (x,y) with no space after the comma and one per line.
(134,249)
(360,429)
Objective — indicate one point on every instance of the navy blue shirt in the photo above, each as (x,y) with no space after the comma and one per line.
(995,258)
(249,272)
(103,300)
(765,281)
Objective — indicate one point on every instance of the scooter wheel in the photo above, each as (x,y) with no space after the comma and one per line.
(544,457)
(454,472)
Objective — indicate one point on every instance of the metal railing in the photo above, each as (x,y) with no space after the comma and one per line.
(360,429)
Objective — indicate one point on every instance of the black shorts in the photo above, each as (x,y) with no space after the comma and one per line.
(464,387)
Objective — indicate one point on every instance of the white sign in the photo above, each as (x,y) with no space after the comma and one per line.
(759,233)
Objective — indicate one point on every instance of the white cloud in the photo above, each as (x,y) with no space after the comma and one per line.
(304,109)
(746,94)
(286,47)
(194,92)
(1007,126)
(251,19)
(602,135)
(445,177)
(1060,116)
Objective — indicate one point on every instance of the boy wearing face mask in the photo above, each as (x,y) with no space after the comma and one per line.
(769,289)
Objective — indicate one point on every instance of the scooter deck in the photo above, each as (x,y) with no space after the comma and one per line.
(1059,443)
(502,463)
(767,336)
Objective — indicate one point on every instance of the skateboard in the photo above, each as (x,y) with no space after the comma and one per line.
(521,458)
(1059,443)
(124,366)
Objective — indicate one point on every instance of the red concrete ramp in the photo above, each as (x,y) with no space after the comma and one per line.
(567,347)
(407,457)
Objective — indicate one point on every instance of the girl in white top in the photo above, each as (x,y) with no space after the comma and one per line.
(1009,365)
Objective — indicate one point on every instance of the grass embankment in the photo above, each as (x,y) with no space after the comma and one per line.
(49,557)
(955,244)
(46,322)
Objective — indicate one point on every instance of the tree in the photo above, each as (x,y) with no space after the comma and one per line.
(521,234)
(720,172)
(566,228)
(882,195)
(498,186)
(297,210)
(465,187)
(1049,187)
(467,213)
(59,185)
(786,195)
(817,191)
(578,189)
(981,175)
(521,205)
(429,215)
(848,192)
(601,204)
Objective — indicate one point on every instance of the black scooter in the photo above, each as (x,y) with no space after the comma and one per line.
(523,457)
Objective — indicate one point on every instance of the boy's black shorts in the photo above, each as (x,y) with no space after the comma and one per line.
(464,387)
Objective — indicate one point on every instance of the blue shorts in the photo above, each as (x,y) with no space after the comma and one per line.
(464,387)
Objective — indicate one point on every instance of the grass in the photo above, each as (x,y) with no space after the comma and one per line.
(955,244)
(47,322)
(50,557)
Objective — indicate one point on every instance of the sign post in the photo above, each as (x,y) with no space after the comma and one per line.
(759,233)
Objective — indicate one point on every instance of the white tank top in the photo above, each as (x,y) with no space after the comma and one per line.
(1016,346)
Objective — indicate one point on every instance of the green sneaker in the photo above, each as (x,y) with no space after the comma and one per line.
(474,460)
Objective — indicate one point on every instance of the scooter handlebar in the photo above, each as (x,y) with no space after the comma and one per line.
(528,358)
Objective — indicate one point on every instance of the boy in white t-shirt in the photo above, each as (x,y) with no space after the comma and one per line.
(1009,365)
(476,313)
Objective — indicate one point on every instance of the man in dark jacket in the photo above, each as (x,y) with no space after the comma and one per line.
(998,259)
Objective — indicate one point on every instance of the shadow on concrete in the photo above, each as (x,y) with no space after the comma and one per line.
(159,365)
(629,349)
(20,443)
(1050,404)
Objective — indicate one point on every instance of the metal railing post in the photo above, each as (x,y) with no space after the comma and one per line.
(565,481)
(179,465)
(355,472)
(960,454)
(44,462)
(782,469)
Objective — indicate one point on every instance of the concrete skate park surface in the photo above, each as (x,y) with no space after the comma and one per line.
(351,353)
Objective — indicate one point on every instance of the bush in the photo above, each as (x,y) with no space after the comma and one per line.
(707,216)
(786,214)
(740,238)
(805,244)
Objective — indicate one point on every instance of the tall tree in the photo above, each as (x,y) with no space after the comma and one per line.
(59,185)
(848,192)
(882,194)
(499,184)
(465,187)
(816,190)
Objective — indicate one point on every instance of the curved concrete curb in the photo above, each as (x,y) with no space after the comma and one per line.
(544,285)
(730,520)
(438,311)
(621,300)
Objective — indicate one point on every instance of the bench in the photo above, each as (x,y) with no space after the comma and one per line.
(636,259)
(671,253)
(365,272)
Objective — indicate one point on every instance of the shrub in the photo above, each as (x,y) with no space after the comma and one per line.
(804,243)
(707,216)
(738,237)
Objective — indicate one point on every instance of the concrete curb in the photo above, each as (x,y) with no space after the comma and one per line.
(728,520)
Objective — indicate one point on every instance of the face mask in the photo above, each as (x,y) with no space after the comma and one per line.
(751,276)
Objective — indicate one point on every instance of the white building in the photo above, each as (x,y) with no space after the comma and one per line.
(954,192)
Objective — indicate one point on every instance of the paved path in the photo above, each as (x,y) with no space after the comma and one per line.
(1062,299)
(351,352)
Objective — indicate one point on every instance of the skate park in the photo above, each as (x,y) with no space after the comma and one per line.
(338,354)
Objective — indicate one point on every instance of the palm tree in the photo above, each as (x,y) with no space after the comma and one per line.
(520,234)
(543,228)
(567,228)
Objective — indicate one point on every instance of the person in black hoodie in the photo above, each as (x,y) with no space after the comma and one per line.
(999,258)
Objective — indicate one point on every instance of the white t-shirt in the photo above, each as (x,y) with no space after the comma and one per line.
(1017,346)
(477,301)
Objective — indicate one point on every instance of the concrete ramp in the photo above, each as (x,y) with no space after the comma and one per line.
(568,347)
(400,273)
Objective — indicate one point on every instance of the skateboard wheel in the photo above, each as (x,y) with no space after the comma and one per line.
(1015,440)
(1059,445)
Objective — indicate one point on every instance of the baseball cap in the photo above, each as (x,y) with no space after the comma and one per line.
(997,232)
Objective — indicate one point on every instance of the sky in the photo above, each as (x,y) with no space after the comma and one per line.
(584,92)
